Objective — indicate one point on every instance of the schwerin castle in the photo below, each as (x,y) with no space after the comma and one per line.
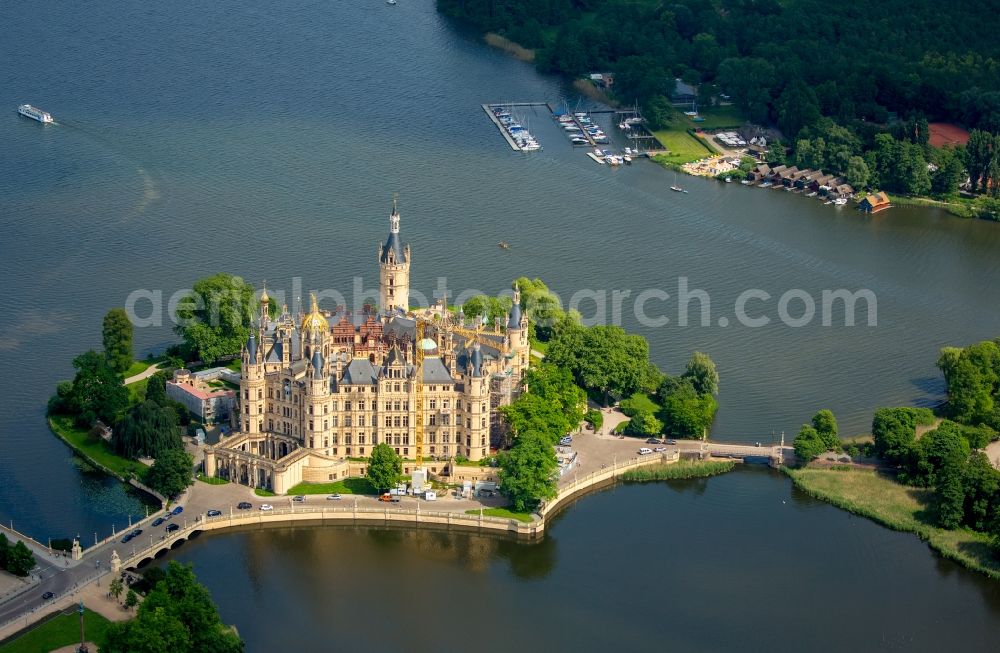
(320,390)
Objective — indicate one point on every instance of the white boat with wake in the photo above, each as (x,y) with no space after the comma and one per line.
(35,113)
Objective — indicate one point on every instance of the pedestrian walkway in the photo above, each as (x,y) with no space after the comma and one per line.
(145,374)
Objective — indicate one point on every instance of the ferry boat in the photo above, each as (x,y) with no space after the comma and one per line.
(34,113)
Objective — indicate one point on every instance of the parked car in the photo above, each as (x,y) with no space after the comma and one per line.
(653,441)
(47,596)
(178,510)
(566,441)
(298,498)
(660,449)
(158,521)
(671,441)
(333,497)
(385,497)
(645,451)
(266,507)
(244,505)
(214,513)
(173,527)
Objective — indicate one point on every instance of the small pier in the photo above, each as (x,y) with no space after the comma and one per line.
(488,108)
(508,136)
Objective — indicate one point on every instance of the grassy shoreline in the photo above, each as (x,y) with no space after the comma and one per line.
(898,507)
(61,630)
(683,469)
(94,451)
(503,513)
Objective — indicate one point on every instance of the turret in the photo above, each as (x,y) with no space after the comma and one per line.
(517,332)
(394,269)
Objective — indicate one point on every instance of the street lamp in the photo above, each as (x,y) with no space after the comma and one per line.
(83,646)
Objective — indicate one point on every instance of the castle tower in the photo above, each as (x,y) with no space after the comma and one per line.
(265,307)
(476,441)
(252,386)
(517,333)
(394,269)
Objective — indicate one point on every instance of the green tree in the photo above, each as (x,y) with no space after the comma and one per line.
(490,307)
(214,319)
(936,454)
(20,560)
(131,600)
(809,444)
(857,173)
(797,107)
(981,490)
(171,472)
(97,391)
(118,335)
(528,471)
(147,429)
(949,497)
(826,427)
(552,406)
(644,424)
(116,588)
(894,431)
(156,389)
(156,632)
(972,377)
(685,413)
(177,615)
(704,377)
(603,359)
(384,467)
(980,153)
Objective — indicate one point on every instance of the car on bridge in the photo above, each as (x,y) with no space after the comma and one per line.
(47,596)
(137,532)
(300,498)
(128,537)
(660,449)
(214,513)
(266,507)
(173,527)
(244,505)
(178,510)
(333,497)
(158,521)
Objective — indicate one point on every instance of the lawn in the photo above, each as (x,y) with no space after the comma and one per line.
(683,147)
(718,117)
(137,391)
(212,480)
(97,450)
(503,513)
(640,402)
(235,365)
(58,632)
(261,492)
(345,486)
(138,367)
(897,506)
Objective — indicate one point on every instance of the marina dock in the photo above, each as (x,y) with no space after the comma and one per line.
(488,108)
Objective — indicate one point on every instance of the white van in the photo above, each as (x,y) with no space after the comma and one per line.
(430,496)
(644,451)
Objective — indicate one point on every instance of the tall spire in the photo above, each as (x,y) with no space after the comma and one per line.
(394,216)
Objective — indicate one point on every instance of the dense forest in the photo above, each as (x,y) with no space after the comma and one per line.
(850,70)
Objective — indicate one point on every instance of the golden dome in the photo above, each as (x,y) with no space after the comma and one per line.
(264,297)
(315,320)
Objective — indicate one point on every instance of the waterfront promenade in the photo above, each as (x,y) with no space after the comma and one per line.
(602,458)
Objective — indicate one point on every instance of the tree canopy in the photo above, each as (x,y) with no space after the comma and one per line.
(384,467)
(214,319)
(148,429)
(177,615)
(171,472)
(604,359)
(528,471)
(96,391)
(118,335)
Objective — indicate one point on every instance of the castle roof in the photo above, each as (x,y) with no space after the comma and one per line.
(392,244)
(435,371)
(360,371)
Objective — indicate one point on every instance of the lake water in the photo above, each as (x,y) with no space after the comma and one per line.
(266,140)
